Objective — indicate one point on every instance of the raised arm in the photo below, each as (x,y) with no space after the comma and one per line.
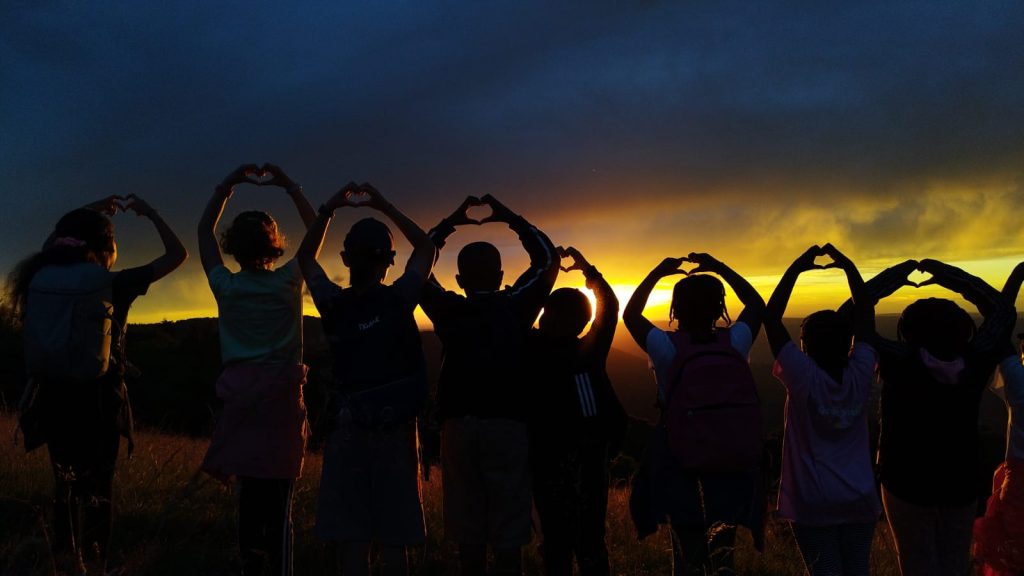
(753,305)
(533,286)
(884,284)
(633,315)
(774,329)
(1012,287)
(446,227)
(998,313)
(424,253)
(174,251)
(863,306)
(279,178)
(313,241)
(606,316)
(209,248)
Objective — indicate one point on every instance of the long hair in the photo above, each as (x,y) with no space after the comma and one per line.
(698,302)
(81,235)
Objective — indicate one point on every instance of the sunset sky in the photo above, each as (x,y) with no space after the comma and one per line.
(631,130)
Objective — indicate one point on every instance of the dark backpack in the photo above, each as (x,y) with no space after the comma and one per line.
(69,323)
(713,410)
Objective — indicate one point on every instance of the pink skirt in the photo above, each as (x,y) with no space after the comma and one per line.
(999,534)
(262,431)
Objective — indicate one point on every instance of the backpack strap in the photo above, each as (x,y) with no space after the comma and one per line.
(687,351)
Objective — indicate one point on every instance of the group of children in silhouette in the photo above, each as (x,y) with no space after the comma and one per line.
(525,417)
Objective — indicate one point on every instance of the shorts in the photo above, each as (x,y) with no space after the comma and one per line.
(486,481)
(369,487)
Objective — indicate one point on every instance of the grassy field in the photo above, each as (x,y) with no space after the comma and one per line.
(169,520)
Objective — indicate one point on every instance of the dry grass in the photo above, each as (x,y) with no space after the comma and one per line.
(171,520)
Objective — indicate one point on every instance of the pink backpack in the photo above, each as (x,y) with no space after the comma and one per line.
(714,411)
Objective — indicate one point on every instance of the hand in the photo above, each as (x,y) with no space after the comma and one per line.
(805,261)
(139,206)
(343,196)
(108,206)
(704,262)
(578,261)
(904,269)
(244,174)
(460,216)
(374,199)
(499,212)
(839,260)
(930,266)
(277,178)
(670,267)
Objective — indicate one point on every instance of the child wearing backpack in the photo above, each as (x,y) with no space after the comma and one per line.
(260,435)
(709,480)
(934,376)
(579,423)
(482,398)
(999,535)
(827,491)
(369,487)
(74,311)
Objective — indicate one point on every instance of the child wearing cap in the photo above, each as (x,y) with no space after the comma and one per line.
(369,491)
(481,394)
(260,436)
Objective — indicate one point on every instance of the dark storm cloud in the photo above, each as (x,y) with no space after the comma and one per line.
(720,110)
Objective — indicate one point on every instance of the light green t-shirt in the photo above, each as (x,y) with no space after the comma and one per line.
(260,314)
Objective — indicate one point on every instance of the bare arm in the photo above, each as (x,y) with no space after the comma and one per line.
(753,305)
(279,178)
(174,251)
(774,329)
(863,306)
(424,253)
(606,316)
(999,314)
(633,315)
(209,248)
(1012,287)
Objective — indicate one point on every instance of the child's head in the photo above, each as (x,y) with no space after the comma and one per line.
(479,268)
(825,336)
(566,313)
(369,251)
(254,240)
(84,235)
(937,325)
(698,301)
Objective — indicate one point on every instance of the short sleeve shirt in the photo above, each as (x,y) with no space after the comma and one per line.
(260,314)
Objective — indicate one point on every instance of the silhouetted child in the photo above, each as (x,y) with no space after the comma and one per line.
(482,398)
(74,312)
(827,491)
(934,376)
(999,535)
(703,467)
(260,435)
(579,423)
(369,490)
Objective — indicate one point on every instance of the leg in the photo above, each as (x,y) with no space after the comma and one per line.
(553,501)
(251,537)
(394,561)
(855,548)
(278,525)
(953,539)
(690,557)
(820,549)
(591,549)
(97,485)
(472,559)
(508,561)
(354,558)
(66,520)
(914,533)
(721,539)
